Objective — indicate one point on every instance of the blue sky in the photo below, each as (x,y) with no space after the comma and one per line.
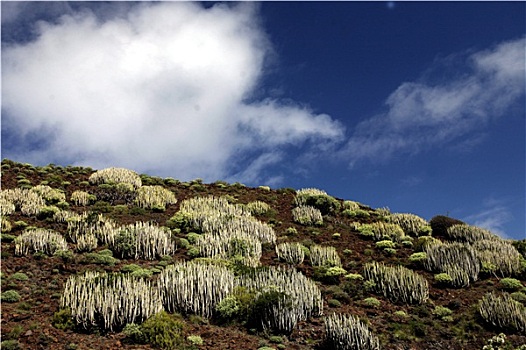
(419,107)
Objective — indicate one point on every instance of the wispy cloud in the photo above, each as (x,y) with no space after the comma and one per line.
(164,88)
(433,111)
(493,216)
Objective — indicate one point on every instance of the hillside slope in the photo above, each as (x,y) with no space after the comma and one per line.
(412,284)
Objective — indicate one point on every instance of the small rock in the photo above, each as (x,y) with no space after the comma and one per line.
(28,333)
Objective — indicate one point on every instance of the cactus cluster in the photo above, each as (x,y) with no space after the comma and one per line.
(303,195)
(453,256)
(293,253)
(82,197)
(228,230)
(397,283)
(501,255)
(99,226)
(307,215)
(503,312)
(154,197)
(318,199)
(469,233)
(51,195)
(258,207)
(349,333)
(39,240)
(110,301)
(235,244)
(412,224)
(6,206)
(27,201)
(324,256)
(303,297)
(115,176)
(143,240)
(194,287)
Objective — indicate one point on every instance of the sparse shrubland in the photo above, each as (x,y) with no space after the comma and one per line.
(109,259)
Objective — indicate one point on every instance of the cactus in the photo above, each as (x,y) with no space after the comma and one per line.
(154,197)
(303,297)
(349,333)
(81,197)
(110,301)
(469,233)
(324,256)
(397,283)
(27,201)
(452,255)
(290,252)
(500,254)
(39,240)
(194,287)
(503,312)
(116,176)
(411,224)
(307,215)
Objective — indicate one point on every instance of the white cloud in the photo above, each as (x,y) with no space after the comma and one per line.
(422,114)
(159,88)
(494,215)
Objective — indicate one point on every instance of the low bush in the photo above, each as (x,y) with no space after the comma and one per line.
(62,319)
(10,296)
(164,331)
(510,284)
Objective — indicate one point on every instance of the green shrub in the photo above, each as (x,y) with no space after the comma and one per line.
(163,330)
(130,268)
(510,284)
(10,296)
(291,231)
(195,340)
(228,308)
(10,344)
(142,273)
(19,276)
(442,312)
(180,220)
(192,237)
(443,278)
(100,258)
(354,277)
(357,213)
(62,319)
(134,332)
(385,244)
(66,255)
(5,237)
(334,303)
(372,302)
(418,257)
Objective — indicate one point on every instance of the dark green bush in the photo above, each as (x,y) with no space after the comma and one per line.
(99,258)
(66,255)
(62,319)
(163,331)
(181,221)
